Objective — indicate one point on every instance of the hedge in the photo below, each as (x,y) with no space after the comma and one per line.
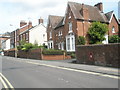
(53,52)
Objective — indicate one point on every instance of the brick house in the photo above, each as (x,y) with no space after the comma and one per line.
(53,21)
(78,18)
(15,35)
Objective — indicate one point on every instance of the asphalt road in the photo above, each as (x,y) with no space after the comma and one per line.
(30,75)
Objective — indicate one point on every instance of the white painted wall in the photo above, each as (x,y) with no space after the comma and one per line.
(38,34)
(105,41)
(6,44)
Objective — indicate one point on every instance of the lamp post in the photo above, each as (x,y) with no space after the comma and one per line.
(15,42)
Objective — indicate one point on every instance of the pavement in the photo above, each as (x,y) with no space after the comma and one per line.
(69,64)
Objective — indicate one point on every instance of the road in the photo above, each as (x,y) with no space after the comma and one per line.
(27,74)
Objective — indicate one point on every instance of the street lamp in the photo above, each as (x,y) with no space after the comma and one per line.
(15,42)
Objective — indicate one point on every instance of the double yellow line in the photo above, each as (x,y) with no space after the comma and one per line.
(5,82)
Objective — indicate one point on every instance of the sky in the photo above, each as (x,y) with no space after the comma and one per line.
(13,11)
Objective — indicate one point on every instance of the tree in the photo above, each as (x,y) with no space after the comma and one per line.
(97,32)
(81,40)
(114,39)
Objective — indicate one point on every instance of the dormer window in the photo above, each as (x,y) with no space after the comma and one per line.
(113,29)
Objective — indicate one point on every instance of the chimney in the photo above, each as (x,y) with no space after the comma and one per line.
(22,23)
(99,6)
(30,24)
(84,12)
(40,21)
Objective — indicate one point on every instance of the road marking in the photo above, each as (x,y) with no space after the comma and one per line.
(70,69)
(88,72)
(4,84)
(2,76)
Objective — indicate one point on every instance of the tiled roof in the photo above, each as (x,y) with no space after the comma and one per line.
(55,20)
(94,13)
(109,15)
(60,23)
(26,30)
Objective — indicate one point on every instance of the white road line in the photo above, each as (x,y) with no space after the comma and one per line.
(7,81)
(4,84)
(94,73)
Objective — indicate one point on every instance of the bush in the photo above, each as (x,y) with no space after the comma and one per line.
(114,39)
(97,32)
(81,40)
(27,46)
(72,54)
(53,52)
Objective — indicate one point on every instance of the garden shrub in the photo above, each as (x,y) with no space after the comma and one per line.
(52,52)
(114,39)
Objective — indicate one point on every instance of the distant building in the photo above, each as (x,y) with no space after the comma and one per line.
(5,42)
(30,34)
(15,35)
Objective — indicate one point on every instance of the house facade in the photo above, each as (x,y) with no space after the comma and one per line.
(78,18)
(5,42)
(53,21)
(15,35)
(36,34)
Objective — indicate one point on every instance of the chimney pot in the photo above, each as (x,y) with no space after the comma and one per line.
(40,20)
(22,23)
(99,6)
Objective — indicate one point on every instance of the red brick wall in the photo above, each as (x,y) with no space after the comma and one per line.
(67,20)
(115,24)
(37,54)
(53,57)
(9,53)
(57,38)
(32,54)
(106,55)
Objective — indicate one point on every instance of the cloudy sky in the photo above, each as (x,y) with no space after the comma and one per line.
(13,11)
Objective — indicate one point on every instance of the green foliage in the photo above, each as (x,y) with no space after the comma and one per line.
(28,46)
(81,40)
(53,52)
(114,39)
(72,54)
(22,42)
(97,32)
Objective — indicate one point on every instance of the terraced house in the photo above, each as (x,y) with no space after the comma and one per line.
(29,33)
(63,31)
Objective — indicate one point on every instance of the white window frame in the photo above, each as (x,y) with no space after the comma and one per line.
(50,44)
(70,45)
(113,29)
(70,27)
(62,46)
(26,36)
